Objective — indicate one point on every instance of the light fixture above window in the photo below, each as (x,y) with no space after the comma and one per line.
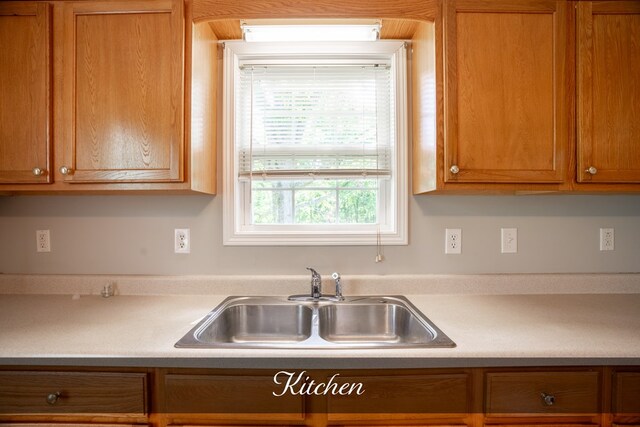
(310,30)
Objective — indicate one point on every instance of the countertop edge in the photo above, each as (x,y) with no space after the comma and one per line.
(316,363)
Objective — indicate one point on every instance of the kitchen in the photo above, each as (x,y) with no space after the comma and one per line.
(483,299)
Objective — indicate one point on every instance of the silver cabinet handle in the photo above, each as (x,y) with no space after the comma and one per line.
(454,169)
(65,170)
(548,399)
(52,398)
(37,171)
(592,170)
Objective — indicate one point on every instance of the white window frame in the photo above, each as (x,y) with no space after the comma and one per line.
(235,230)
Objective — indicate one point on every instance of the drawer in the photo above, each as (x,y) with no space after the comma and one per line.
(626,393)
(229,397)
(72,392)
(522,393)
(420,395)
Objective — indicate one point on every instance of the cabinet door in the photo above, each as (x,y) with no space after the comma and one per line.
(507,104)
(608,91)
(25,101)
(123,85)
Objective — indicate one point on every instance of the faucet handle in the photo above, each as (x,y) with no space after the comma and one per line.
(313,272)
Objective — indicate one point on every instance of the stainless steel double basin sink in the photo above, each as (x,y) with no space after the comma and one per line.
(276,322)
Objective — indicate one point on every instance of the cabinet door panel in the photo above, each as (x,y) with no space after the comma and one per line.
(608,91)
(506,100)
(124,83)
(25,103)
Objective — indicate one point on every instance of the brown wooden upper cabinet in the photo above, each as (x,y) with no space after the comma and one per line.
(123,91)
(507,105)
(25,101)
(608,81)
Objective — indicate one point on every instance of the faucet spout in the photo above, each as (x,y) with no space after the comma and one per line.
(316,284)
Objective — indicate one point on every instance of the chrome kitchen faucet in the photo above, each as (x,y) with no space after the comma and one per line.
(316,289)
(316,284)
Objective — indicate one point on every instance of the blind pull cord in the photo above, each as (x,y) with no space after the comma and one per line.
(379,248)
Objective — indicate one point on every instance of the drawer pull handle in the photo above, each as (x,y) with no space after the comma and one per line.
(548,399)
(52,398)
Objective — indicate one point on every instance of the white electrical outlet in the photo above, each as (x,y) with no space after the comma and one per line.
(43,241)
(453,241)
(182,241)
(509,237)
(606,239)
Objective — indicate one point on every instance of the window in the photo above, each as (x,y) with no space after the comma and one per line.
(315,141)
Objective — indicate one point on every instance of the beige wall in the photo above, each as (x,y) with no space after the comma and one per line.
(134,235)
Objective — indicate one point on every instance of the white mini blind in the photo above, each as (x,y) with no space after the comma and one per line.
(314,120)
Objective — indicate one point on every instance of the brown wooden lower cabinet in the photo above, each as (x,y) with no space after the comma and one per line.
(168,397)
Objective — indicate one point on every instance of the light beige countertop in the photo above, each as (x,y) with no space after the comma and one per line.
(593,328)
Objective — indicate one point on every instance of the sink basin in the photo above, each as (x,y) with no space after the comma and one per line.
(245,321)
(275,322)
(376,323)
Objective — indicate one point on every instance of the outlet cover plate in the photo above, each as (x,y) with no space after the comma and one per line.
(182,241)
(453,241)
(43,241)
(607,239)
